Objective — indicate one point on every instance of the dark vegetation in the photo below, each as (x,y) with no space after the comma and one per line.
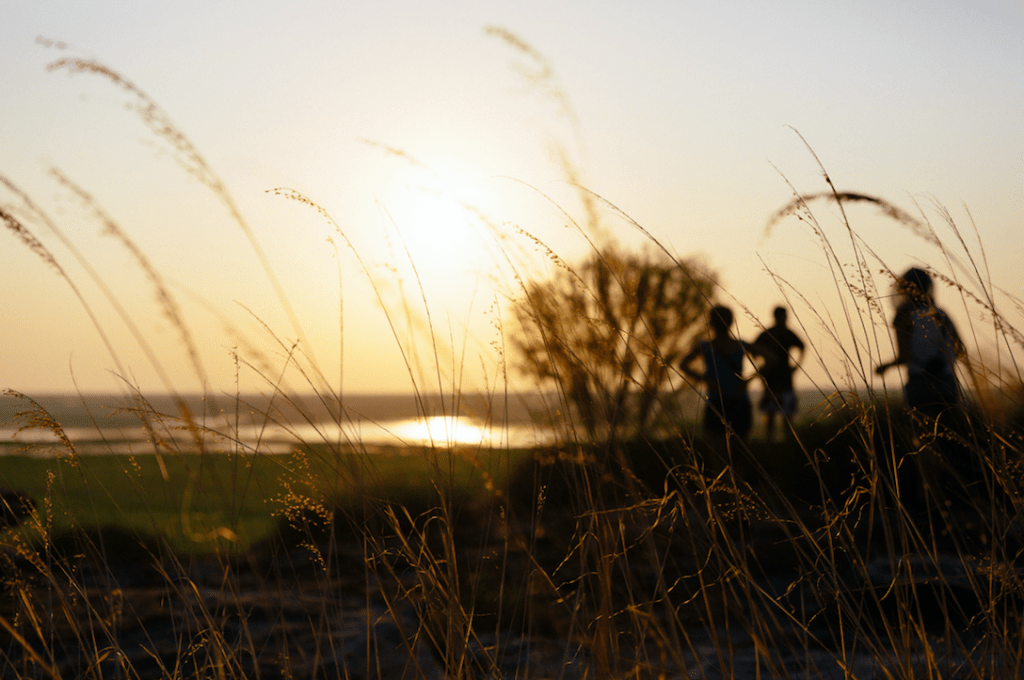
(609,333)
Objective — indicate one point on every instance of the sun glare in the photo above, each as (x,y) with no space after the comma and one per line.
(445,238)
(441,430)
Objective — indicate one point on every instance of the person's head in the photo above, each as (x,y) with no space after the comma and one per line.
(915,285)
(780,314)
(720,319)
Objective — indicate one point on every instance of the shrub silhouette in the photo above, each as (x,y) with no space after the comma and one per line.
(608,333)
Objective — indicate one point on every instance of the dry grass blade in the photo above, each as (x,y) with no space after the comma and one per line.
(167,303)
(30,241)
(13,632)
(918,227)
(38,418)
(189,158)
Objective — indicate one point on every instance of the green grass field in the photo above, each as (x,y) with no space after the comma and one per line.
(199,503)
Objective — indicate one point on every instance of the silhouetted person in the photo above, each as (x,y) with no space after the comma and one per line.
(727,409)
(928,344)
(779,399)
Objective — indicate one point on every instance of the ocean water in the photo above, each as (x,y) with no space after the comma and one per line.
(102,424)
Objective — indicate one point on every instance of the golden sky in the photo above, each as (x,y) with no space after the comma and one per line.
(689,118)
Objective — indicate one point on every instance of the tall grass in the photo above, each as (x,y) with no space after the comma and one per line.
(814,558)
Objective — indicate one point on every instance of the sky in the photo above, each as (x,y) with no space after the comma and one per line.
(695,121)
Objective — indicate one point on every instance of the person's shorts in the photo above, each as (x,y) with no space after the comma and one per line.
(783,402)
(722,414)
(932,394)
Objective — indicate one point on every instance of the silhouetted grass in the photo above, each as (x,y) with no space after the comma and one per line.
(814,557)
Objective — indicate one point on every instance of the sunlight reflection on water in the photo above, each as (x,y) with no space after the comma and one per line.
(217,435)
(442,430)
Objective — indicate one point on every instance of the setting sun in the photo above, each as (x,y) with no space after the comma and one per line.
(444,237)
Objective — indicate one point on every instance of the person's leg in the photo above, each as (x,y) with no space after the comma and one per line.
(740,415)
(934,403)
(769,407)
(716,438)
(788,412)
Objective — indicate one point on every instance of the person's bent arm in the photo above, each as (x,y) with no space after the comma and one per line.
(686,365)
(902,326)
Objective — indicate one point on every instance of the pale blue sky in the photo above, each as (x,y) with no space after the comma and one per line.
(684,112)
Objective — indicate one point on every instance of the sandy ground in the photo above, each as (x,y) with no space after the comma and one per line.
(287,613)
